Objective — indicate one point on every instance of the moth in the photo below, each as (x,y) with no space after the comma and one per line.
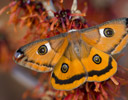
(77,56)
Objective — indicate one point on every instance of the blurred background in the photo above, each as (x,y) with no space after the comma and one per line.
(14,79)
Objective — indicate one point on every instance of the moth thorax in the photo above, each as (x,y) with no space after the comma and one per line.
(77,49)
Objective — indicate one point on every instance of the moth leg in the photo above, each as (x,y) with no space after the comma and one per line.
(97,87)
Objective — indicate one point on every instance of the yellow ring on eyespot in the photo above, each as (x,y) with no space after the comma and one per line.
(97,59)
(42,50)
(64,68)
(108,32)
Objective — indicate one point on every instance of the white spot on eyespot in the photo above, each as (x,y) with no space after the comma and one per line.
(102,32)
(37,52)
(72,30)
(48,46)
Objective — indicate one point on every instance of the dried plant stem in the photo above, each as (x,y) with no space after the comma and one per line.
(87,88)
(74,5)
(114,81)
(49,7)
